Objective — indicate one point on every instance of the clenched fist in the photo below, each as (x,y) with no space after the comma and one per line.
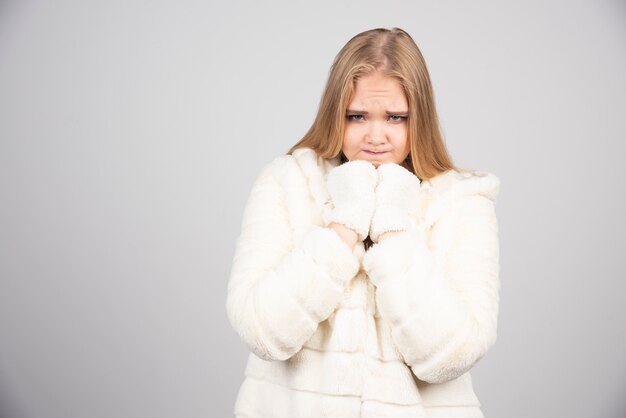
(397,194)
(351,186)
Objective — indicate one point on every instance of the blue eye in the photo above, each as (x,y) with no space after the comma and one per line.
(396,118)
(355,117)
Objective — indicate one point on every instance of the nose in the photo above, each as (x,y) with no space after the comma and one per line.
(376,133)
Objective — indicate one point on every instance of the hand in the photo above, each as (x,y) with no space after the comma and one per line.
(351,186)
(397,196)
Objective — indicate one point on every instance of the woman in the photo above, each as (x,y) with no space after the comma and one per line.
(365,279)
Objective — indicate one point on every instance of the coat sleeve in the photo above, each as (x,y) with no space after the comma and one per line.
(278,290)
(440,294)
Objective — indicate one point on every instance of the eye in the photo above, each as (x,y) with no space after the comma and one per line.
(355,117)
(397,118)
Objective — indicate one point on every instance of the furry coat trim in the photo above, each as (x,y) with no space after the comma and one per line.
(388,332)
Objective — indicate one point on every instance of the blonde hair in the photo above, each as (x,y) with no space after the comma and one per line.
(393,52)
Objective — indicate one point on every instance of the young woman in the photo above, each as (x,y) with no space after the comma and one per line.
(365,279)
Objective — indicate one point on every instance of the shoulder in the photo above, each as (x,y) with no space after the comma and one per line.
(296,183)
(459,191)
(303,172)
(460,183)
(301,162)
(299,177)
(278,167)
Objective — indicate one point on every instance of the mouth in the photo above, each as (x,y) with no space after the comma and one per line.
(374,153)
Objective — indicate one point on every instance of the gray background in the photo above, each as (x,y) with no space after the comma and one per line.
(131,133)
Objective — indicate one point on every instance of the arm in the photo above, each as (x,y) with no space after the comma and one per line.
(278,290)
(441,297)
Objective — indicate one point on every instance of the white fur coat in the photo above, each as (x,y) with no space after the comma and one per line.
(387,332)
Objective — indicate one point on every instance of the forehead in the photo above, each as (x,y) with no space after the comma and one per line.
(378,88)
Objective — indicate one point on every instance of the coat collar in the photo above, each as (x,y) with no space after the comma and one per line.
(436,193)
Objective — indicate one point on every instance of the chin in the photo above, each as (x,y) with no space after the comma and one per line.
(378,162)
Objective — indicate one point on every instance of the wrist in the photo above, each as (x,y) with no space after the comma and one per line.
(385,235)
(389,219)
(388,234)
(347,235)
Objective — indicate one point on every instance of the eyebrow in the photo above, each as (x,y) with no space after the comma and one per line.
(364,112)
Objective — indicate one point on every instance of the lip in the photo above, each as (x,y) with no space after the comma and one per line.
(374,153)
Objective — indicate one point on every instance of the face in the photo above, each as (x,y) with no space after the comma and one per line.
(376,121)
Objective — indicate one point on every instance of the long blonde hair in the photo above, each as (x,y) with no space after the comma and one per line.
(393,52)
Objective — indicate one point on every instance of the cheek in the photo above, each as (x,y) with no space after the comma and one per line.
(400,138)
(402,143)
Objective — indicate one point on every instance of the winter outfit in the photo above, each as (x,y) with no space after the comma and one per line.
(388,332)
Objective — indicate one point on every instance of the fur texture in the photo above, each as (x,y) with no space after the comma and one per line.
(352,189)
(397,193)
(390,332)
